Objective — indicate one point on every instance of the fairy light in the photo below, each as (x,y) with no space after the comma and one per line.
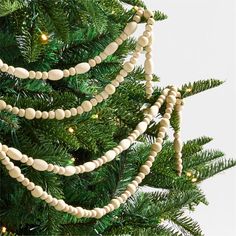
(4,229)
(71,130)
(44,38)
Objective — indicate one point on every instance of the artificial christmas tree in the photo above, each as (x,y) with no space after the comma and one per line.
(41,118)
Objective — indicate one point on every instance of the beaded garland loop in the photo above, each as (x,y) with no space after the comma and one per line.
(170,96)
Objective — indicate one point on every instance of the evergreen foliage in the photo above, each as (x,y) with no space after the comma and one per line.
(79,30)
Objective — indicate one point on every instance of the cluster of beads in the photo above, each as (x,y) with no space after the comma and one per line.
(15,172)
(144,41)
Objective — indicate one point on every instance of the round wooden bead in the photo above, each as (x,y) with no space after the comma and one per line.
(82,68)
(148,66)
(110,89)
(92,62)
(61,171)
(21,73)
(4,67)
(128,67)
(55,74)
(148,13)
(110,155)
(131,188)
(20,178)
(80,212)
(99,213)
(137,18)
(1,63)
(60,205)
(59,114)
(15,172)
(164,122)
(141,175)
(111,48)
(154,110)
(40,165)
(73,111)
(2,105)
(30,186)
(56,169)
(30,161)
(141,127)
(49,198)
(115,203)
(51,114)
(32,74)
(44,196)
(38,75)
(15,110)
(87,106)
(45,75)
(178,145)
(130,28)
(125,144)
(38,114)
(53,202)
(72,71)
(14,154)
(98,59)
(10,166)
(138,179)
(145,169)
(25,182)
(143,41)
(45,115)
(29,113)
(171,99)
(66,73)
(69,170)
(89,166)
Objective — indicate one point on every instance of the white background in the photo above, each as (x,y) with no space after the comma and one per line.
(196,42)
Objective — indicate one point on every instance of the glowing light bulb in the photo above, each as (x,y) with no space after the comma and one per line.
(71,130)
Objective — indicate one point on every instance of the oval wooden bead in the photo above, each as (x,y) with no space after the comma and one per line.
(156,147)
(148,67)
(21,73)
(14,154)
(164,122)
(15,172)
(141,127)
(128,67)
(111,48)
(154,110)
(82,68)
(89,166)
(110,155)
(55,74)
(178,145)
(40,165)
(143,41)
(171,99)
(69,170)
(125,144)
(145,169)
(37,191)
(131,188)
(148,13)
(130,28)
(29,113)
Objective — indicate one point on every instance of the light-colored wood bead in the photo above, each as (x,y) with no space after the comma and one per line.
(141,175)
(2,105)
(167,116)
(171,99)
(110,89)
(4,148)
(45,75)
(141,127)
(14,154)
(124,36)
(40,165)
(111,48)
(92,63)
(60,205)
(80,212)
(72,71)
(61,170)
(37,191)
(138,179)
(89,166)
(30,186)
(49,199)
(143,41)
(9,108)
(24,158)
(1,63)
(125,144)
(80,109)
(69,170)
(137,18)
(131,188)
(98,59)
(165,122)
(120,78)
(154,110)
(115,203)
(4,67)
(99,213)
(104,94)
(119,41)
(82,68)
(59,114)
(103,56)
(66,73)
(15,110)
(38,75)
(29,113)
(21,73)
(148,163)
(178,145)
(55,74)
(32,74)
(15,172)
(67,114)
(45,115)
(38,114)
(148,66)
(44,196)
(87,106)
(53,202)
(51,114)
(11,70)
(30,161)
(99,98)
(130,27)
(50,167)
(145,169)
(110,155)
(10,166)
(25,182)
(56,169)
(73,111)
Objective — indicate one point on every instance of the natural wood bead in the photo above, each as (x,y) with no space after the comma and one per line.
(92,62)
(141,175)
(127,193)
(154,110)
(125,144)
(37,191)
(25,182)
(115,83)
(4,68)
(138,179)
(80,212)
(38,75)
(124,197)
(104,94)
(141,127)
(49,198)
(73,111)
(45,75)
(148,66)
(148,13)
(61,170)
(29,113)
(161,135)
(15,110)
(45,115)
(171,99)
(138,48)
(99,98)
(148,163)
(67,114)
(51,114)
(110,89)
(2,105)
(111,48)
(40,165)
(143,41)
(110,155)
(32,74)
(15,172)
(111,207)
(151,158)
(24,158)
(128,67)
(106,208)
(30,186)
(159,140)
(21,73)
(14,154)
(104,158)
(123,72)
(151,21)
(50,167)
(103,56)
(130,28)
(145,169)
(60,205)
(119,41)
(9,108)
(93,102)
(131,188)
(55,74)
(137,18)
(178,155)
(30,161)
(115,203)
(135,183)
(178,108)
(10,166)
(59,114)
(89,166)
(82,68)
(167,116)
(99,213)
(5,160)
(72,71)
(147,34)
(80,109)
(120,78)
(53,202)
(87,106)
(149,28)
(165,122)
(44,196)
(4,148)
(177,135)
(69,170)
(124,36)
(66,73)
(178,145)
(98,59)
(133,60)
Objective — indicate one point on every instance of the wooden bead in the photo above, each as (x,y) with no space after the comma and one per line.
(130,28)
(38,114)
(141,175)
(73,111)
(148,66)
(99,213)
(80,212)
(151,21)
(154,110)
(145,169)
(37,191)
(61,170)
(137,18)
(30,161)
(55,74)
(110,89)
(110,155)
(49,199)
(38,75)
(40,165)
(30,186)
(50,167)
(82,68)
(10,166)
(138,179)
(1,63)
(141,127)
(15,110)
(92,62)
(128,67)
(44,196)
(4,67)
(21,73)
(53,202)
(24,158)
(98,59)
(165,122)
(123,72)
(59,114)
(66,73)
(111,48)
(45,75)
(125,144)
(45,115)
(14,154)
(15,172)
(32,74)
(80,110)
(29,113)
(87,106)
(72,71)
(131,188)
(143,41)
(69,170)
(25,182)
(89,166)
(51,114)
(171,99)
(60,205)
(2,105)
(178,145)
(115,203)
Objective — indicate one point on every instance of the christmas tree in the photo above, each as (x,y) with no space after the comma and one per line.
(43,35)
